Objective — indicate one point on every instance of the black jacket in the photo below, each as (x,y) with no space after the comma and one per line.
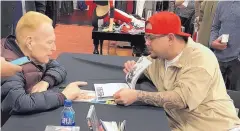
(15,90)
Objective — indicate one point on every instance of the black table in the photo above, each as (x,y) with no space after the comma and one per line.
(95,69)
(137,40)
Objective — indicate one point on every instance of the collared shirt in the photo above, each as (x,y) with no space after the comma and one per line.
(226,21)
(169,63)
(197,78)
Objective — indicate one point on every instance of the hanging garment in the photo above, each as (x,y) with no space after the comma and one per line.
(149,9)
(81,5)
(121,5)
(52,11)
(134,6)
(67,7)
(129,7)
(140,7)
(162,6)
(91,7)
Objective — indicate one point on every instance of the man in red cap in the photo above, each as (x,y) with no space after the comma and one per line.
(187,75)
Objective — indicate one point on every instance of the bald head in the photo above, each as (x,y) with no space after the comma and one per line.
(35,36)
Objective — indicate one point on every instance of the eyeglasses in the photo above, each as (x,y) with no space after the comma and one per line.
(151,37)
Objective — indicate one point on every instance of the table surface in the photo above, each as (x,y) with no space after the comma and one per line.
(137,39)
(100,30)
(95,69)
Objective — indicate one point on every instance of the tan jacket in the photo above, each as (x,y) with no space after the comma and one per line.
(206,16)
(197,78)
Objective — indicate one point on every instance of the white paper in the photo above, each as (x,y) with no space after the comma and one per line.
(138,69)
(225,38)
(106,91)
(113,126)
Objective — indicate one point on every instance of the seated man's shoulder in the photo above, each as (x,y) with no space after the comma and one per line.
(12,83)
(17,77)
(200,56)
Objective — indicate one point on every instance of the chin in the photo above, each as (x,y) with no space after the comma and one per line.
(44,61)
(153,55)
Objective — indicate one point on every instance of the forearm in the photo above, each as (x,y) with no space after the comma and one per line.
(168,99)
(55,73)
(111,23)
(179,2)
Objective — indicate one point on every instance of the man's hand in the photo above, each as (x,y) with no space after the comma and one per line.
(72,91)
(197,23)
(108,29)
(125,96)
(9,69)
(128,66)
(218,45)
(40,87)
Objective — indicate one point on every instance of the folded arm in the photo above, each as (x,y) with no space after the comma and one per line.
(16,100)
(55,73)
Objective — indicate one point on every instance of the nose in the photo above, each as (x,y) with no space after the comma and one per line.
(147,42)
(54,48)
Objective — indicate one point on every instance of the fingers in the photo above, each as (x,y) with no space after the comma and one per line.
(119,101)
(219,39)
(128,66)
(125,71)
(222,46)
(117,94)
(79,83)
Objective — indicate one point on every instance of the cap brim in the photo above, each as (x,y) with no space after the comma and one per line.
(184,34)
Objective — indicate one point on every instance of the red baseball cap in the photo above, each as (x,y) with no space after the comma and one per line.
(164,23)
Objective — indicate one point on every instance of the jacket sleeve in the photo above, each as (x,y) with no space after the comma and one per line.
(201,11)
(40,6)
(55,73)
(17,101)
(216,25)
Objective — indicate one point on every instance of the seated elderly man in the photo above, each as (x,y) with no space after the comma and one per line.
(30,90)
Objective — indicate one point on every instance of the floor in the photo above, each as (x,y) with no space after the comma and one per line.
(73,34)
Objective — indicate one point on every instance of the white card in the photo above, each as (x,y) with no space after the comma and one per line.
(225,38)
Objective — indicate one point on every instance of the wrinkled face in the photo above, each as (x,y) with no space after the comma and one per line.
(159,46)
(41,44)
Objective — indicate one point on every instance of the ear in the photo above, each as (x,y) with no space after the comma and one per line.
(29,42)
(171,38)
